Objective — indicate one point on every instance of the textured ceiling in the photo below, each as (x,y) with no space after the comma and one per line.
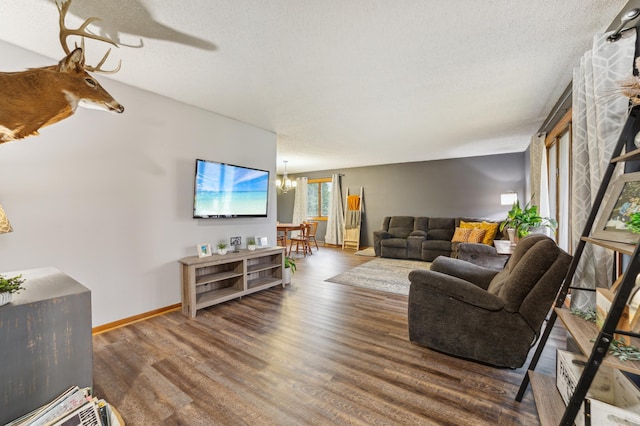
(343,83)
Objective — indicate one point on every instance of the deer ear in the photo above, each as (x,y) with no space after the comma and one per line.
(72,62)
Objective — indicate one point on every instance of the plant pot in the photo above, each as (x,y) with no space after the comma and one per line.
(5,298)
(222,251)
(251,247)
(286,276)
(511,233)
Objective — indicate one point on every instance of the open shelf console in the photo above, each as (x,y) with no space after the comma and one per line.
(215,279)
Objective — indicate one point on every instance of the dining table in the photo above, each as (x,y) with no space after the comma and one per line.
(285,228)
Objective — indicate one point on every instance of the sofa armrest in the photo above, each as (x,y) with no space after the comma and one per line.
(477,248)
(481,255)
(423,282)
(466,271)
(383,235)
(378,236)
(414,245)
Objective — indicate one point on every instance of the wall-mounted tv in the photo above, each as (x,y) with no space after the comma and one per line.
(226,191)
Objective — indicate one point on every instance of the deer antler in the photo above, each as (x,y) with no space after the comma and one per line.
(81,31)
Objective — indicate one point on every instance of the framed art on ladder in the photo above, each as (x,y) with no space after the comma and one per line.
(624,200)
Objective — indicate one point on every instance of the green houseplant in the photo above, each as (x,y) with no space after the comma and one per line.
(8,286)
(289,270)
(290,263)
(222,247)
(523,219)
(251,244)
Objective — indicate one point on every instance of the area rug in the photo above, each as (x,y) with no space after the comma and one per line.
(391,275)
(366,252)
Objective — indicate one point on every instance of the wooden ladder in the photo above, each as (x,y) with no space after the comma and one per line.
(352,220)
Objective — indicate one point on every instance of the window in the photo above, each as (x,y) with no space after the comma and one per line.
(318,197)
(559,168)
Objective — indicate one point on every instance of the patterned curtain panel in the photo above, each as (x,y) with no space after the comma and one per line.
(599,114)
(335,222)
(300,203)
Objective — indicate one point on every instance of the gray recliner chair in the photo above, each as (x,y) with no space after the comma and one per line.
(485,315)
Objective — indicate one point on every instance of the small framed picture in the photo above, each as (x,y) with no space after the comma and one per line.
(624,200)
(204,250)
(262,242)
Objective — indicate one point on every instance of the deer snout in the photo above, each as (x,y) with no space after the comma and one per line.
(113,106)
(116,108)
(108,105)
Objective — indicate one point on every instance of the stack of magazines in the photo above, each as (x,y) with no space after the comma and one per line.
(74,407)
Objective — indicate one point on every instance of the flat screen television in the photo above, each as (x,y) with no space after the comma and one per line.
(226,191)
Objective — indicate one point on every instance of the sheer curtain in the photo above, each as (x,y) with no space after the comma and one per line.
(544,206)
(598,117)
(300,203)
(335,222)
(538,171)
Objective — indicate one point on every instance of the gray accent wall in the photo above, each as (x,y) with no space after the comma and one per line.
(460,187)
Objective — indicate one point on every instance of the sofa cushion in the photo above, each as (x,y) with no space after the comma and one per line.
(476,235)
(421,224)
(469,225)
(461,235)
(431,249)
(400,226)
(441,228)
(395,248)
(491,229)
(394,242)
(436,245)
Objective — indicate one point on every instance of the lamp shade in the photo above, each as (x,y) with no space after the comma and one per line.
(5,226)
(508,198)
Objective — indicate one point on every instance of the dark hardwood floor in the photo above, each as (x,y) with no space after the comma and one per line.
(313,353)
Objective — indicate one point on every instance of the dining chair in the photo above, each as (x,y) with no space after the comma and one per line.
(312,234)
(301,239)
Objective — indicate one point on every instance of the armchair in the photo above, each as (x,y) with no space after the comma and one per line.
(485,315)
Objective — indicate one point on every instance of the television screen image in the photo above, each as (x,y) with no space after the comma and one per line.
(226,191)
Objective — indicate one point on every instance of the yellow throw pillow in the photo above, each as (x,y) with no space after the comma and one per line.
(492,231)
(476,235)
(472,225)
(461,235)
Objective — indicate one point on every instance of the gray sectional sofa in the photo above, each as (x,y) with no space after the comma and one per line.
(420,238)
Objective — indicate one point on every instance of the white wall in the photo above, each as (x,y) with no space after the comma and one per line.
(107,198)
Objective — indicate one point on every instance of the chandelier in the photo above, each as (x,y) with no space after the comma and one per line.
(285,184)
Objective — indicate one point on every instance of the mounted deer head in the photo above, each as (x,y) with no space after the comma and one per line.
(39,97)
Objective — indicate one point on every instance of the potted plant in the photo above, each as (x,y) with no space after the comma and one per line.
(251,244)
(8,286)
(522,220)
(289,270)
(222,248)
